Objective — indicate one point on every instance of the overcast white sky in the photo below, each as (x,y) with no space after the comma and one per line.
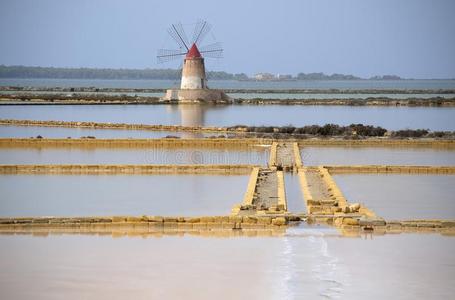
(410,38)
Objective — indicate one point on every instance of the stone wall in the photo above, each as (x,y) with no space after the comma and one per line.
(127,169)
(354,169)
(282,202)
(133,143)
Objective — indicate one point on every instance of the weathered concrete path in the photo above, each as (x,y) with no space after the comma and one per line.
(265,193)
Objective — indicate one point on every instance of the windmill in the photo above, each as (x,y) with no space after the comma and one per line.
(193,86)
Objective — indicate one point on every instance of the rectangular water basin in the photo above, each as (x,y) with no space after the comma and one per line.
(140,155)
(313,156)
(402,197)
(101,195)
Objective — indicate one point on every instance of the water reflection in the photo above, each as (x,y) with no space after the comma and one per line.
(433,118)
(172,267)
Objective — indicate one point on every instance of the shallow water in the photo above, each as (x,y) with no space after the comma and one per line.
(294,195)
(433,118)
(305,264)
(96,155)
(62,132)
(107,195)
(314,156)
(402,197)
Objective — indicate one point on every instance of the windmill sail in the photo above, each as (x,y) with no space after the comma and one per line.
(178,34)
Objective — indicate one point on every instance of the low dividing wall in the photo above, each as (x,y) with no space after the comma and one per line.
(444,227)
(100,125)
(249,193)
(297,156)
(273,153)
(133,143)
(378,142)
(147,223)
(282,202)
(127,169)
(248,198)
(211,226)
(217,142)
(391,169)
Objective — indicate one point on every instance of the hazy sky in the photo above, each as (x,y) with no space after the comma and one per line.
(410,38)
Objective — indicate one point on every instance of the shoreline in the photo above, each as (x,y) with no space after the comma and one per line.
(103,99)
(239,132)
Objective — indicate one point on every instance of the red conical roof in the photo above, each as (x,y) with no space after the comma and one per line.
(193,52)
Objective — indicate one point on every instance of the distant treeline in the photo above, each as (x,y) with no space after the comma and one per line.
(88,73)
(171,74)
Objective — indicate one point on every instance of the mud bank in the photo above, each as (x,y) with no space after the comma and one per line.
(31,98)
(258,91)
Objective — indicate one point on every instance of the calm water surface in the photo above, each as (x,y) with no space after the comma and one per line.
(98,155)
(103,195)
(314,156)
(399,197)
(294,195)
(305,264)
(434,118)
(62,132)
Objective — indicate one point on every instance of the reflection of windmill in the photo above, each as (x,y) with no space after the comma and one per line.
(193,86)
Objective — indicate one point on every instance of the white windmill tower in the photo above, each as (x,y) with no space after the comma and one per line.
(193,86)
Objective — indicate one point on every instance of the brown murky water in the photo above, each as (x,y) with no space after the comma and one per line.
(400,196)
(104,195)
(304,264)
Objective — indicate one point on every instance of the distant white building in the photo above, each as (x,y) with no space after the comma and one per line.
(264,76)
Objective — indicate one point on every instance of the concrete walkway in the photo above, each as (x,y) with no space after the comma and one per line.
(318,188)
(285,156)
(266,194)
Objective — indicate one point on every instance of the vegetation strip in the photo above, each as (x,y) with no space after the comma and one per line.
(353,131)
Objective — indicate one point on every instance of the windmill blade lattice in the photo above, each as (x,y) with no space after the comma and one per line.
(178,34)
(166,55)
(214,50)
(200,31)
